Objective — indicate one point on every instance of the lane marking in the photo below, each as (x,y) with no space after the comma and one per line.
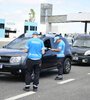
(66,81)
(31,92)
(20,96)
(88,73)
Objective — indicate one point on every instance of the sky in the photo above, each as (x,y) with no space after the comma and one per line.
(17,11)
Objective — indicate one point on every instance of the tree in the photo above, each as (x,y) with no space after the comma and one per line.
(31,16)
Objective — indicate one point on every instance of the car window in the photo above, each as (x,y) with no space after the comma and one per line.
(47,43)
(54,46)
(81,43)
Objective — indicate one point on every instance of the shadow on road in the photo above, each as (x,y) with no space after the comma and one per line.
(20,78)
(48,73)
(81,65)
(9,77)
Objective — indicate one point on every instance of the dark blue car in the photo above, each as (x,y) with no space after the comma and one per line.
(13,58)
(81,49)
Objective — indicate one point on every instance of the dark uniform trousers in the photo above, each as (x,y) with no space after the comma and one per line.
(60,65)
(32,66)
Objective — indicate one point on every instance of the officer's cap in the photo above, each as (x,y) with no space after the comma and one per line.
(35,33)
(56,38)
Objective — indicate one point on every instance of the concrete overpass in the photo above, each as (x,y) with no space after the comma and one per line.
(76,17)
(48,18)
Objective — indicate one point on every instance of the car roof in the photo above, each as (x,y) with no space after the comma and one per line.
(83,37)
(42,37)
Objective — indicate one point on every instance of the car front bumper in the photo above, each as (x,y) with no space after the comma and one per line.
(6,67)
(81,59)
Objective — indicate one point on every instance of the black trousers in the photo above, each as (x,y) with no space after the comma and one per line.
(32,66)
(60,65)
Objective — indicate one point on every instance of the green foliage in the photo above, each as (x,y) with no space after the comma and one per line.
(26,20)
(31,16)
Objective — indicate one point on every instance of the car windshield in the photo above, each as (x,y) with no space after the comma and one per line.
(81,43)
(18,43)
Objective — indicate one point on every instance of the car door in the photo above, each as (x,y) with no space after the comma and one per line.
(49,56)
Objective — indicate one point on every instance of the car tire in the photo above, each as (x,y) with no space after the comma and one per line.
(67,66)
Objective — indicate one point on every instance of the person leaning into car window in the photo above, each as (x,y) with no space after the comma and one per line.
(60,56)
(34,49)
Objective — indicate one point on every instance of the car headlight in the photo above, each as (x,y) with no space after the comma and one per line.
(15,60)
(87,53)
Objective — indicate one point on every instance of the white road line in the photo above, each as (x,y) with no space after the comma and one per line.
(20,96)
(88,73)
(66,81)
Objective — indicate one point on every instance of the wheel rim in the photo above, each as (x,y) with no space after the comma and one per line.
(68,65)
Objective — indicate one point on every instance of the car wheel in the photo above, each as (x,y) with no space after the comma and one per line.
(67,66)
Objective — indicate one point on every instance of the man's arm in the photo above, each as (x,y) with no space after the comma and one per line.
(43,52)
(56,50)
(25,50)
(43,48)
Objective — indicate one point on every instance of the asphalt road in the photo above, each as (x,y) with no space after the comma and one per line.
(74,86)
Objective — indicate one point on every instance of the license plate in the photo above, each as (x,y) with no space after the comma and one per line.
(1,66)
(75,58)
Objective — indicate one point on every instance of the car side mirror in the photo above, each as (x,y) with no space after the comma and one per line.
(4,46)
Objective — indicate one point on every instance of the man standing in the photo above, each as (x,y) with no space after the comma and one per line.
(60,56)
(34,49)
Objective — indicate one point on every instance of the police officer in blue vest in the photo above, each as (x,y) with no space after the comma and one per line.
(60,56)
(34,49)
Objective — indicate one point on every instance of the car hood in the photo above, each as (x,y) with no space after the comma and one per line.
(79,50)
(11,52)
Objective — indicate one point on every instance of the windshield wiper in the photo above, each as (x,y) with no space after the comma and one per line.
(75,46)
(21,48)
(84,47)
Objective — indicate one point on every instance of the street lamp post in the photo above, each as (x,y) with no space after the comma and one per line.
(85,28)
